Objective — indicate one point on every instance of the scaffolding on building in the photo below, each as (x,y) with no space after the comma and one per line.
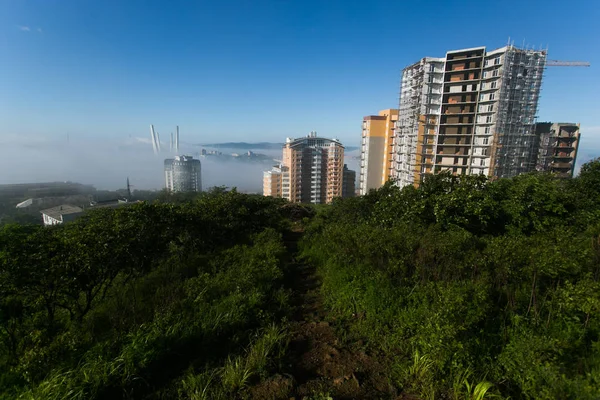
(515,126)
(419,89)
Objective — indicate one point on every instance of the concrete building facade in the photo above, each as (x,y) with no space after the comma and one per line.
(276,182)
(348,183)
(311,171)
(557,147)
(183,174)
(471,112)
(377,149)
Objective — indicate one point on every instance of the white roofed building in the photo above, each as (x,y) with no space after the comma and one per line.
(60,214)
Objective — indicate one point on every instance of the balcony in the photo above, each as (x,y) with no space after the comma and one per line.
(486,88)
(458,110)
(562,165)
(562,155)
(453,57)
(491,77)
(455,89)
(455,133)
(456,123)
(451,152)
(454,144)
(461,78)
(567,135)
(461,65)
(458,98)
(456,119)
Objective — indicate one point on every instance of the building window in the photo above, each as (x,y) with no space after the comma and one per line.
(495,73)
(481,96)
(492,96)
(484,152)
(431,68)
(497,61)
(490,107)
(486,63)
(483,85)
(488,119)
(487,130)
(482,162)
(494,85)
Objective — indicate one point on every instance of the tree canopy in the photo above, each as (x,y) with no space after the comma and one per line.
(466,279)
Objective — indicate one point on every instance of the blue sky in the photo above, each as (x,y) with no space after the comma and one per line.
(255,70)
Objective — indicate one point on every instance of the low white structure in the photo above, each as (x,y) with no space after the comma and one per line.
(60,214)
(25,204)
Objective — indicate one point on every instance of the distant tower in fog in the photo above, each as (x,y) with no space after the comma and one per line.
(173,144)
(128,189)
(155,140)
(183,174)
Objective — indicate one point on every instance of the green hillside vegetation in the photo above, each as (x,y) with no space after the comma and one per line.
(144,301)
(465,281)
(462,289)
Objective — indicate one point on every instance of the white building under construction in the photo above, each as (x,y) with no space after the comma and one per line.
(471,112)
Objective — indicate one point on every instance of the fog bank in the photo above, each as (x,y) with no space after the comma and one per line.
(106,165)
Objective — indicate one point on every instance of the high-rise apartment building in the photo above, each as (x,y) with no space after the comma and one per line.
(276,182)
(348,183)
(557,147)
(311,171)
(183,174)
(377,149)
(471,112)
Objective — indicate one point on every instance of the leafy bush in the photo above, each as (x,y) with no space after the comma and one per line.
(120,303)
(470,287)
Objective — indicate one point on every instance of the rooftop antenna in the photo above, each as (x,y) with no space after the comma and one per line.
(171,143)
(177,140)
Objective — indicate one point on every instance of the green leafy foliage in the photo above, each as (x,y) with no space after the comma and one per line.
(470,288)
(466,288)
(122,302)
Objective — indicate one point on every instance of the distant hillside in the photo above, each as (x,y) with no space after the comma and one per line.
(245,146)
(255,146)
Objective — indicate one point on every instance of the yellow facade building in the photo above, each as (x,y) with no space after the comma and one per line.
(376,158)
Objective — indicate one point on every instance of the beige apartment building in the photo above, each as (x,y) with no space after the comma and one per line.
(311,171)
(557,149)
(377,149)
(276,182)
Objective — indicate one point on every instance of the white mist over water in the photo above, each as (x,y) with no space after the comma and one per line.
(106,164)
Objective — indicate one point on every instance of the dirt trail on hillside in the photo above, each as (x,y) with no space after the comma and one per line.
(318,363)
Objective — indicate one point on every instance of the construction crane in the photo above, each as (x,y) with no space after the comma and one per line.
(559,63)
